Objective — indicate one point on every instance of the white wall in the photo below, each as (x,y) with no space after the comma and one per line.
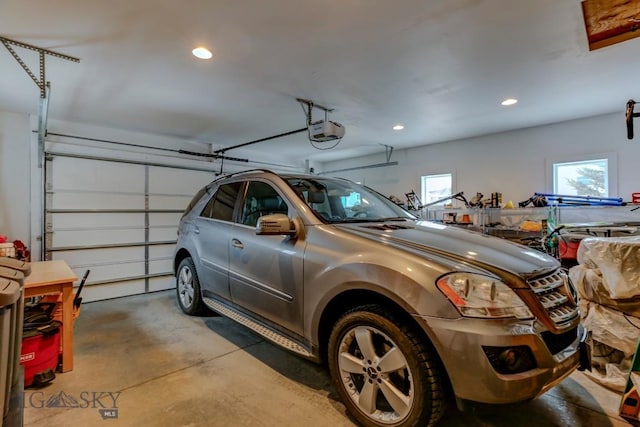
(15,176)
(515,163)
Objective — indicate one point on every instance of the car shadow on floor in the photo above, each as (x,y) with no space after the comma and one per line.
(548,410)
(312,375)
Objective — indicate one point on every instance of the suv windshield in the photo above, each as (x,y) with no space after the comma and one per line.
(338,201)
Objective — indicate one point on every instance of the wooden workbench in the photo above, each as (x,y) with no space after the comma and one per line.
(55,278)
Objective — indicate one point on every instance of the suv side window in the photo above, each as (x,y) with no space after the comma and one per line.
(222,203)
(261,199)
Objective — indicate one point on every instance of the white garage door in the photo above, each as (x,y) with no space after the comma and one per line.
(116,218)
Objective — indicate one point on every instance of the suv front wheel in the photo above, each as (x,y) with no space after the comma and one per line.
(384,374)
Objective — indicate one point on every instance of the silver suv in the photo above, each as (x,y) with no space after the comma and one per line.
(406,313)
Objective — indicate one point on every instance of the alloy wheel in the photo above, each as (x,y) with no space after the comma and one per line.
(376,375)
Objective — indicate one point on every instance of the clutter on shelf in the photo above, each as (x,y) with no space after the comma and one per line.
(6,249)
(531,226)
(413,202)
(17,249)
(475,202)
(545,199)
(21,251)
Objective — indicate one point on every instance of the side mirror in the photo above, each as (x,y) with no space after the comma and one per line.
(276,225)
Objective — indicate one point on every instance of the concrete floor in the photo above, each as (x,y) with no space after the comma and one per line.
(140,362)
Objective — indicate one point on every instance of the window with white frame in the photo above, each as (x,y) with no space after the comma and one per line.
(436,187)
(582,178)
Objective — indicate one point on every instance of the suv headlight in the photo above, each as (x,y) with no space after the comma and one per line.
(475,295)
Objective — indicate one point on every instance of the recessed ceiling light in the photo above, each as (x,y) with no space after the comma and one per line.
(509,101)
(398,127)
(202,53)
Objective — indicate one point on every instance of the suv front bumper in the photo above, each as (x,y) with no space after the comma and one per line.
(461,343)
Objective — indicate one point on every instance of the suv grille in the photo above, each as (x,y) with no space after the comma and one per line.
(554,293)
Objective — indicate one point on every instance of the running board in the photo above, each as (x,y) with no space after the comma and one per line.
(258,328)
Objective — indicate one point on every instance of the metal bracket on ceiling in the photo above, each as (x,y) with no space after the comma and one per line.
(310,106)
(42,83)
(389,150)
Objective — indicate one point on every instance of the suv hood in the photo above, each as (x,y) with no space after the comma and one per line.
(473,247)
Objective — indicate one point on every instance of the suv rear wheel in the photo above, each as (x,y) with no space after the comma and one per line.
(384,374)
(188,288)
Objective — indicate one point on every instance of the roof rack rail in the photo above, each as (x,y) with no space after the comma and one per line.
(248,171)
(219,177)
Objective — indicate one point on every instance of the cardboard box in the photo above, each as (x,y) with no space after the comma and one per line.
(7,249)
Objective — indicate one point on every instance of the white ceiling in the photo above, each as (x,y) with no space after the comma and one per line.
(440,67)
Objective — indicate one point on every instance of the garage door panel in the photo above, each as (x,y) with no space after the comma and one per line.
(90,258)
(110,272)
(112,290)
(88,209)
(178,202)
(97,220)
(69,200)
(162,234)
(160,266)
(64,238)
(177,181)
(165,219)
(162,251)
(96,175)
(161,283)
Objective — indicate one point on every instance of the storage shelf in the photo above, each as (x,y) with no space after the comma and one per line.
(505,223)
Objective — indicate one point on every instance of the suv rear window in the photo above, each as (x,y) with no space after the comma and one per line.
(195,200)
(222,203)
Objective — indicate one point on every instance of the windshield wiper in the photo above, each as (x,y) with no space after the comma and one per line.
(356,220)
(393,218)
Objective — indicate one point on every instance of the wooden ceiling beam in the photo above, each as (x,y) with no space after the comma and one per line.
(610,21)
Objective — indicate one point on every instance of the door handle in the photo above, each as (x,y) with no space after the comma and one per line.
(237,243)
(196,229)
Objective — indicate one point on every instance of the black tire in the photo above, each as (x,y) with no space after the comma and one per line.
(365,375)
(188,288)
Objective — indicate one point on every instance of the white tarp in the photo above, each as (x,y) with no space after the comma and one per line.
(614,336)
(591,286)
(608,283)
(618,260)
(611,327)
